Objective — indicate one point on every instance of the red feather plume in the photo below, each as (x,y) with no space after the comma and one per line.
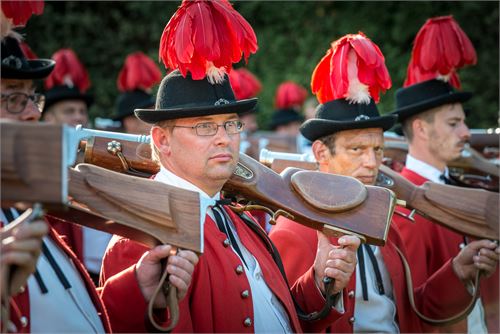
(68,71)
(245,85)
(289,94)
(28,53)
(440,48)
(138,72)
(205,38)
(353,68)
(20,11)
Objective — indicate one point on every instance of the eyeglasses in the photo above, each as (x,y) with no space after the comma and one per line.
(211,128)
(17,102)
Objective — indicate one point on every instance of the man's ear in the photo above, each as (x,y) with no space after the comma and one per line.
(161,139)
(420,128)
(321,152)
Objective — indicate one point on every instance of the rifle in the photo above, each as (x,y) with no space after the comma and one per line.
(472,212)
(300,195)
(35,165)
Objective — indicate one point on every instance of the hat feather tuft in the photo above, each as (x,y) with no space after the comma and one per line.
(205,38)
(245,85)
(138,72)
(290,95)
(440,48)
(353,68)
(68,71)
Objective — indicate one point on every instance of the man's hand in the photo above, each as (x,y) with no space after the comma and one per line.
(20,247)
(480,254)
(337,262)
(180,268)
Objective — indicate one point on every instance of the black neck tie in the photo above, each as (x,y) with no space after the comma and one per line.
(447,180)
(224,228)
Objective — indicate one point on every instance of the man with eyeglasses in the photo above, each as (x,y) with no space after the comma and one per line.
(60,296)
(237,286)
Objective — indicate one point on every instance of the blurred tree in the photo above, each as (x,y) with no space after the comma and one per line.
(292,36)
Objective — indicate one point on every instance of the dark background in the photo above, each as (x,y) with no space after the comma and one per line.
(292,37)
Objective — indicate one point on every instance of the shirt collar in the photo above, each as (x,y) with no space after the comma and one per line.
(424,169)
(167,177)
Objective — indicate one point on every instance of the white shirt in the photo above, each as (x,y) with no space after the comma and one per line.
(61,310)
(95,243)
(378,313)
(424,169)
(475,320)
(269,314)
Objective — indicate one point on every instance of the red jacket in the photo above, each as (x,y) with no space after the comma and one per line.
(297,246)
(437,244)
(72,235)
(22,300)
(214,302)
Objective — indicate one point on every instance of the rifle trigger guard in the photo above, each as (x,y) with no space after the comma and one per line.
(410,216)
(274,215)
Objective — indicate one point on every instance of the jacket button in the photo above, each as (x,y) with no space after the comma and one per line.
(24,321)
(226,243)
(247,322)
(239,269)
(245,294)
(351,294)
(351,320)
(22,289)
(462,245)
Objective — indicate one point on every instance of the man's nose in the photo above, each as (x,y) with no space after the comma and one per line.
(464,132)
(370,159)
(31,112)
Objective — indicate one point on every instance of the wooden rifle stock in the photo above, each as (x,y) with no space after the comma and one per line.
(473,212)
(35,165)
(36,168)
(346,211)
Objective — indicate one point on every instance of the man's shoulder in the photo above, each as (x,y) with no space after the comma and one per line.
(413,176)
(290,227)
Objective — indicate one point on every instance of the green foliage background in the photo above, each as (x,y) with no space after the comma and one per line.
(292,36)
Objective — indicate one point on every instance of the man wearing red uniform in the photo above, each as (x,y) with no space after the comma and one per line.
(434,124)
(237,286)
(347,136)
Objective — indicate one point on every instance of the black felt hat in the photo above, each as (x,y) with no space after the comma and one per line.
(180,97)
(127,102)
(64,92)
(339,115)
(16,66)
(426,95)
(284,117)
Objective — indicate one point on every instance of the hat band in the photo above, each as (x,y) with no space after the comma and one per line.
(13,61)
(361,117)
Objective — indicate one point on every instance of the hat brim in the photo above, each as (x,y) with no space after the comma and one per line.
(413,109)
(316,128)
(152,116)
(51,100)
(142,105)
(284,117)
(38,69)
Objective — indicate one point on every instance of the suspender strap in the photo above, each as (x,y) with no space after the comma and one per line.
(330,298)
(362,273)
(376,269)
(224,228)
(58,271)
